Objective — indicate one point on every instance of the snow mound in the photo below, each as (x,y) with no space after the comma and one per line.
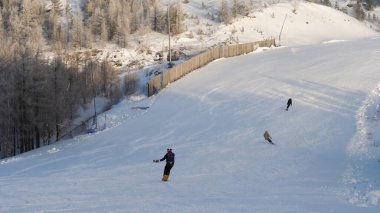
(374,197)
(365,141)
(363,154)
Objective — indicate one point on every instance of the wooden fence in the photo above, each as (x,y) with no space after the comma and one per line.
(177,72)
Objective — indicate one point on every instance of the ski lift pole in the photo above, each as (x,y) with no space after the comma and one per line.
(105,120)
(161,81)
(279,37)
(94,122)
(170,50)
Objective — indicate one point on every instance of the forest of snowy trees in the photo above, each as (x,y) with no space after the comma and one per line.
(40,96)
(98,20)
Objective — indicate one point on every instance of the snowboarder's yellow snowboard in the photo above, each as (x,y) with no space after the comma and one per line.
(165,178)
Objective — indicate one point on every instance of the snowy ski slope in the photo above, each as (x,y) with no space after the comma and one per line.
(326,157)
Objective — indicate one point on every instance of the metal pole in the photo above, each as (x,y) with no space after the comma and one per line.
(279,37)
(94,95)
(105,121)
(170,50)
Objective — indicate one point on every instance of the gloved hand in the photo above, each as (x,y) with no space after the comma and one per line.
(156,161)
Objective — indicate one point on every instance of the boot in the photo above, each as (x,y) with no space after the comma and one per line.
(165,178)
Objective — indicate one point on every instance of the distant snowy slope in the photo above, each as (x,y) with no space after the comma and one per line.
(311,24)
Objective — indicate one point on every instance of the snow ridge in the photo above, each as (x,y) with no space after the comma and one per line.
(368,116)
(364,153)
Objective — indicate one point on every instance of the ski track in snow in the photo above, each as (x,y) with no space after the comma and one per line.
(364,155)
(119,115)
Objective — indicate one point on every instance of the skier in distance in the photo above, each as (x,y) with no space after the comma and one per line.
(268,137)
(288,104)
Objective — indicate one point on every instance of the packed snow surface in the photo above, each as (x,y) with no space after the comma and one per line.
(325,158)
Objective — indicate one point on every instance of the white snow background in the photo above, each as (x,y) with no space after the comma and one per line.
(326,157)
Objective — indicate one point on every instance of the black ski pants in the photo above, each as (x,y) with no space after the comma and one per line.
(168,167)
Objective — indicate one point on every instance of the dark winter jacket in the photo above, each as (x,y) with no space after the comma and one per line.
(169,157)
(289,102)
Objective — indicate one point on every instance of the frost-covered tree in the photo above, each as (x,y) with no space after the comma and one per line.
(327,3)
(358,11)
(224,14)
(95,22)
(137,14)
(336,5)
(104,31)
(158,19)
(239,7)
(122,31)
(371,4)
(56,6)
(88,37)
(6,102)
(77,29)
(2,30)
(177,16)
(32,19)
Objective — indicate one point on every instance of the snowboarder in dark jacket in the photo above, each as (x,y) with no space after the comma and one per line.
(169,157)
(288,104)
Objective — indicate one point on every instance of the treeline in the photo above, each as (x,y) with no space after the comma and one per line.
(360,8)
(39,98)
(64,27)
(230,10)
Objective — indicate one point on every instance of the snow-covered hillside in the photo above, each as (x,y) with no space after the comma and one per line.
(326,157)
(306,23)
(311,24)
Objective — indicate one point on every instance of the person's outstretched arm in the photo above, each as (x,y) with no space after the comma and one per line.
(162,159)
